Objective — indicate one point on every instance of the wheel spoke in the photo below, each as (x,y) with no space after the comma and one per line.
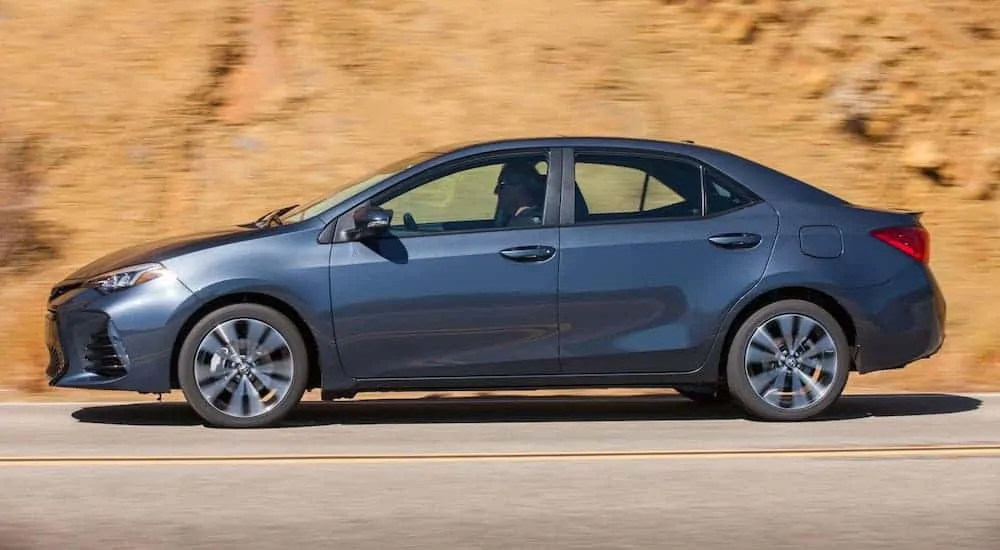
(805,380)
(272,381)
(804,330)
(235,404)
(808,368)
(765,381)
(212,385)
(785,399)
(269,343)
(258,334)
(281,367)
(817,347)
(210,348)
(225,335)
(241,328)
(798,394)
(764,342)
(785,323)
(254,403)
(758,356)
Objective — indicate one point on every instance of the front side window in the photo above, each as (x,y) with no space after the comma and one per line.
(619,187)
(494,194)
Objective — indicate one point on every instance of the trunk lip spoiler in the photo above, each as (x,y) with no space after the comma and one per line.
(915,214)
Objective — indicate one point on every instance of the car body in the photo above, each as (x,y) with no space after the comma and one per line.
(411,279)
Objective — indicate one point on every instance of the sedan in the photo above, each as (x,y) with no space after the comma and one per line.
(550,262)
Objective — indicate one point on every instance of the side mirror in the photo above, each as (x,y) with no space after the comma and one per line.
(370,221)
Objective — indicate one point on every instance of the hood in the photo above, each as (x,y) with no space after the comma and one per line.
(159,250)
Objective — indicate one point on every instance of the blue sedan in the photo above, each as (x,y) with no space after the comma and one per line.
(570,262)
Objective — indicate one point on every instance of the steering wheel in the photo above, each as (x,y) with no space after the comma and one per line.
(409,222)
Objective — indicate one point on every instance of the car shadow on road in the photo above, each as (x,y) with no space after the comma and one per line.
(493,409)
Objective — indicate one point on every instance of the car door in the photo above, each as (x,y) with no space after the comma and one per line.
(449,291)
(648,265)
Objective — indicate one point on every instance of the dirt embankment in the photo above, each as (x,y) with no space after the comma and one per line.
(122,122)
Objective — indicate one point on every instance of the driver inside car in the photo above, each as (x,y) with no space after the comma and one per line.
(520,194)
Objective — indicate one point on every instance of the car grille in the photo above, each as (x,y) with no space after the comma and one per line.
(101,355)
(57,361)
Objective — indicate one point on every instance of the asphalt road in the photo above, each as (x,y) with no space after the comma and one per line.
(907,472)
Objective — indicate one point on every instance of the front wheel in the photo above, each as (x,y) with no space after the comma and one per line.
(243,366)
(788,361)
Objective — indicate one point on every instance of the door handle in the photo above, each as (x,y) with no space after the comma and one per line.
(528,253)
(735,240)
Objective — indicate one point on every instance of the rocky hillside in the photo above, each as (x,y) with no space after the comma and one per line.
(122,122)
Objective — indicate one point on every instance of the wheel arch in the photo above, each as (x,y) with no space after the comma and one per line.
(822,299)
(312,351)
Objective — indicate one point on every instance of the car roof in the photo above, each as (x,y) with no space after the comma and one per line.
(768,183)
(562,141)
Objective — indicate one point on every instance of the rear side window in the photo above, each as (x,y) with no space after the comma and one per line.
(722,194)
(619,187)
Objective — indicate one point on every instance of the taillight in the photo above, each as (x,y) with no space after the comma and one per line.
(915,242)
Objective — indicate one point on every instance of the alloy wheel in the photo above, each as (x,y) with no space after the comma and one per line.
(243,367)
(791,361)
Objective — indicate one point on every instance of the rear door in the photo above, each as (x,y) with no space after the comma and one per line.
(654,249)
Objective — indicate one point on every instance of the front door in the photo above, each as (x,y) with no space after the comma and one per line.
(461,285)
(649,265)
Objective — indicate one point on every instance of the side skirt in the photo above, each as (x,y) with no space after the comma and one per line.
(521,383)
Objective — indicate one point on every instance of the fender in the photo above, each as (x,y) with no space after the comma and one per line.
(318,321)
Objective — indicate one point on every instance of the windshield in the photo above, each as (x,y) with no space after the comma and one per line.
(320,205)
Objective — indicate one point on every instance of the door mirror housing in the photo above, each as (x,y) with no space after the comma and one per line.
(370,221)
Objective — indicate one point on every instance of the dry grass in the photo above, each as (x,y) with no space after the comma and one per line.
(197,114)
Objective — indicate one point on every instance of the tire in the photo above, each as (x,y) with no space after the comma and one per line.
(825,360)
(706,395)
(282,374)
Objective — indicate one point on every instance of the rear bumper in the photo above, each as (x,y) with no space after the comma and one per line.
(119,341)
(898,322)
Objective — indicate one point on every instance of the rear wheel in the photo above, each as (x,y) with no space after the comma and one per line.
(788,361)
(243,366)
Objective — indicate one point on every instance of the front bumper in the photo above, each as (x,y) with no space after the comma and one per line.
(118,341)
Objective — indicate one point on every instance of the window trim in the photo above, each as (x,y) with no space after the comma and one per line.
(550,213)
(567,212)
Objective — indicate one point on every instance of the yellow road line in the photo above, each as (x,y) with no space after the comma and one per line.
(987,450)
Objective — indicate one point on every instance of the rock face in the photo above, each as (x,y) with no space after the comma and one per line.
(923,154)
(740,28)
(257,81)
(816,80)
(985,179)
(826,38)
(991,161)
(888,74)
(19,179)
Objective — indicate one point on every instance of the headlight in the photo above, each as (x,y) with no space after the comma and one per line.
(128,277)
